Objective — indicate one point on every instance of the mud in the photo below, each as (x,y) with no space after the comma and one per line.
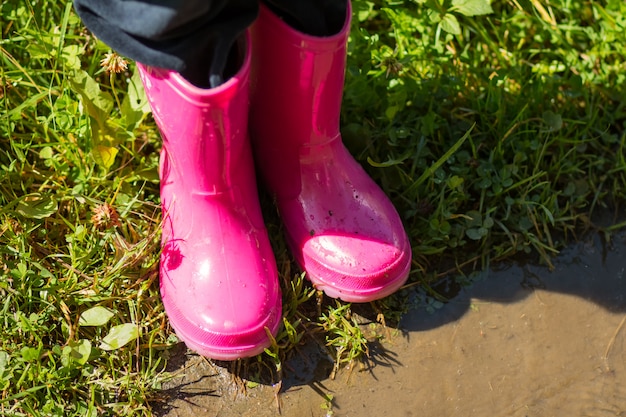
(520,341)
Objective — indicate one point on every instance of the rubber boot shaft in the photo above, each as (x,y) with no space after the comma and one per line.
(218,276)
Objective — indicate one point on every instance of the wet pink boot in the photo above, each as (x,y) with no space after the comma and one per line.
(218,275)
(341,227)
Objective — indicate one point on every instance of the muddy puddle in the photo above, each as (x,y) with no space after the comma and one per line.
(521,341)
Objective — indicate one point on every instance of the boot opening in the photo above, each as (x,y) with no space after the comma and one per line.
(221,65)
(234,61)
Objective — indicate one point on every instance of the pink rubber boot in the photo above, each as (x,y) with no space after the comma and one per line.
(341,227)
(218,275)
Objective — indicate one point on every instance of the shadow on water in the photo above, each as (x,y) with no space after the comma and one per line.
(594,270)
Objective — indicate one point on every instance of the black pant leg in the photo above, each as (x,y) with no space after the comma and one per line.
(192,37)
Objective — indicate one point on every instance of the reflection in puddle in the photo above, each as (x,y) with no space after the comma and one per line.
(522,341)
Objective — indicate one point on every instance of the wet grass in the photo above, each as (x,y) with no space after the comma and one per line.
(497,131)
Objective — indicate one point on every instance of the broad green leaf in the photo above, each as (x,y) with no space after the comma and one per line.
(44,48)
(434,16)
(97,103)
(391,111)
(30,354)
(119,336)
(472,7)
(95,316)
(77,352)
(71,56)
(46,152)
(135,106)
(474,218)
(363,10)
(450,24)
(65,112)
(37,206)
(476,233)
(553,120)
(4,361)
(525,223)
(455,181)
(488,222)
(105,155)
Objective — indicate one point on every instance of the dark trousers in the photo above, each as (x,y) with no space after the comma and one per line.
(194,37)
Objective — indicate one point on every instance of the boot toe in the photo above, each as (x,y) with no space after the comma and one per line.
(220,311)
(355,268)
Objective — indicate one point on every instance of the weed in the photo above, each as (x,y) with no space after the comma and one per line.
(343,335)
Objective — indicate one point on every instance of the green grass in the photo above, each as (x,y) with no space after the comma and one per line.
(496,134)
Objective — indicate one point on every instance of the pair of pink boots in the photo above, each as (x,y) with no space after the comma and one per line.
(219,281)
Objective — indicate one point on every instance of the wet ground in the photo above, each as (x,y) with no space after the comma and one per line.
(521,341)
